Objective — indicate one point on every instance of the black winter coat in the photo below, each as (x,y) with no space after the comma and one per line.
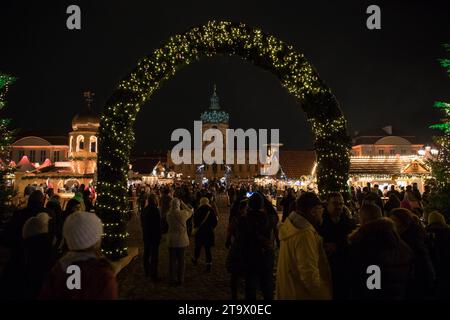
(205,234)
(151,225)
(337,233)
(12,280)
(438,243)
(40,256)
(422,281)
(254,245)
(378,243)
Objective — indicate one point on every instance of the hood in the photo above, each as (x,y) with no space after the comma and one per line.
(293,225)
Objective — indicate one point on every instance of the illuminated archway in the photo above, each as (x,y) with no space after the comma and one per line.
(116,134)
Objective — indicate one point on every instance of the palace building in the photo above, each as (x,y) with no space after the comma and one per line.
(56,160)
(217,118)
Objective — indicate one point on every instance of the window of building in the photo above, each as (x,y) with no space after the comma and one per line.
(403,152)
(43,154)
(381,152)
(33,156)
(21,154)
(55,156)
(93,144)
(392,152)
(80,143)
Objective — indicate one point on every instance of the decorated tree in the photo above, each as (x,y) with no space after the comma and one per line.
(440,197)
(6,137)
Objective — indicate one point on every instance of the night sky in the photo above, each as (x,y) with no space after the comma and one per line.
(382,77)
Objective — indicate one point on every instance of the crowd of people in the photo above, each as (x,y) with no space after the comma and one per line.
(312,250)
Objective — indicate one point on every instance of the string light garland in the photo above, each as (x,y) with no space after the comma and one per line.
(296,74)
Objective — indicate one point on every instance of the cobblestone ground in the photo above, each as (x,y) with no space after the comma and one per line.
(198,285)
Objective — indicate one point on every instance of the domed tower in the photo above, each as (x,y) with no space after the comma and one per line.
(83,143)
(215,118)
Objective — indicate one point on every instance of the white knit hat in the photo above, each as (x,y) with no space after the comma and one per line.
(82,230)
(36,225)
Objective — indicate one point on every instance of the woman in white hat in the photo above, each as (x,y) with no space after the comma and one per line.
(82,273)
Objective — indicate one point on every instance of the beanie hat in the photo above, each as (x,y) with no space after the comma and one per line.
(436,217)
(82,230)
(36,225)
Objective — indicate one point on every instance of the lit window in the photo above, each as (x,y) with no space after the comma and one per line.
(381,152)
(93,144)
(80,143)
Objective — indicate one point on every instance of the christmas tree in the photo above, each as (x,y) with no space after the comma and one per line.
(6,138)
(440,165)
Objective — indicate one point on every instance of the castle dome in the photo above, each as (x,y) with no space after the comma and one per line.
(87,119)
(214,114)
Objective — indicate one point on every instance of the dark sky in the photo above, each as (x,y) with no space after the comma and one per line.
(383,77)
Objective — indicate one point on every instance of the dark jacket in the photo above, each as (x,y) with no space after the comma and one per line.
(438,243)
(57,221)
(40,256)
(255,242)
(14,228)
(337,233)
(12,280)
(151,224)
(205,234)
(287,202)
(391,204)
(378,243)
(423,276)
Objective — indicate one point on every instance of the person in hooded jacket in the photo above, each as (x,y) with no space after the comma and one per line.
(303,272)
